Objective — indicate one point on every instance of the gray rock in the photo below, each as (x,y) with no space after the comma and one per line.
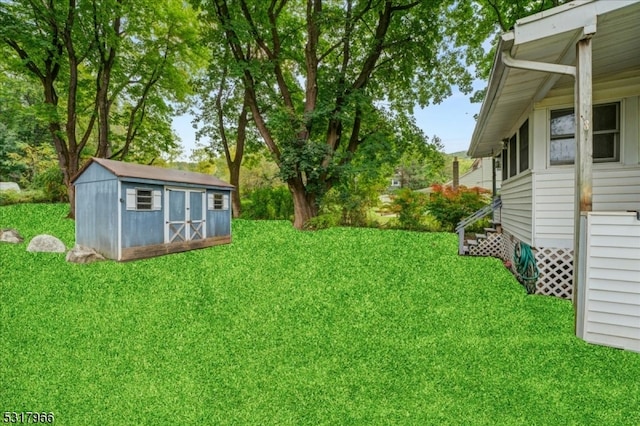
(9,186)
(82,254)
(10,236)
(46,243)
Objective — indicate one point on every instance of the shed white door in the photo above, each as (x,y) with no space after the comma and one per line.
(184,215)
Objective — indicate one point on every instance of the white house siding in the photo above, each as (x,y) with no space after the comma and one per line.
(554,201)
(615,188)
(612,294)
(481,176)
(517,197)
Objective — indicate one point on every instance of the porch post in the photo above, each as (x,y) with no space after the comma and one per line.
(583,174)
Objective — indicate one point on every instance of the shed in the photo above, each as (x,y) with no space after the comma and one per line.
(129,211)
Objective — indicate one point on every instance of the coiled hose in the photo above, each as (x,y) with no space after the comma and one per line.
(526,266)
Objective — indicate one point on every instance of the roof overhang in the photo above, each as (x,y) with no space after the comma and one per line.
(137,172)
(550,38)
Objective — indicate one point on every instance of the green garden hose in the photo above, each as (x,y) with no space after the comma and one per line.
(526,266)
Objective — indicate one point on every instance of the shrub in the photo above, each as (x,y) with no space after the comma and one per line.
(348,204)
(268,203)
(450,206)
(410,207)
(323,221)
(50,182)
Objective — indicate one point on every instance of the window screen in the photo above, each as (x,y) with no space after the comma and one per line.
(606,134)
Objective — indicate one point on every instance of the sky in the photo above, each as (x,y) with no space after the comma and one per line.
(452,121)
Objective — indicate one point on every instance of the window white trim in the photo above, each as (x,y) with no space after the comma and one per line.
(133,199)
(217,201)
(156,202)
(565,143)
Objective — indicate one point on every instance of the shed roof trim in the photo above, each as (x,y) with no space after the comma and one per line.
(140,171)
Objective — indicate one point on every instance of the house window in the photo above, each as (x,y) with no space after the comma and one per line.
(606,135)
(504,164)
(523,134)
(513,156)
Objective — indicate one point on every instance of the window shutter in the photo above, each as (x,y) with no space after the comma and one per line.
(131,199)
(157,201)
(209,201)
(225,202)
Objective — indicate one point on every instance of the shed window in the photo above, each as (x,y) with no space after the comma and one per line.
(606,134)
(218,201)
(143,199)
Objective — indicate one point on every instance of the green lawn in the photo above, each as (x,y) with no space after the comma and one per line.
(341,326)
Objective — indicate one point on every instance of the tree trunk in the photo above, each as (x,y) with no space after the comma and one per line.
(234,177)
(304,204)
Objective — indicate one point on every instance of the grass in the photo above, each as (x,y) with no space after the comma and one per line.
(341,326)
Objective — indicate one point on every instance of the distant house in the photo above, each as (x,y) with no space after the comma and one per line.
(480,175)
(130,211)
(571,181)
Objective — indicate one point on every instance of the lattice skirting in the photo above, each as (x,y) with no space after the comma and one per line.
(555,267)
(556,272)
(490,246)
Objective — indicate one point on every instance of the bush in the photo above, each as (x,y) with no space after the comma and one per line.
(450,206)
(410,207)
(27,196)
(322,221)
(349,205)
(51,183)
(268,203)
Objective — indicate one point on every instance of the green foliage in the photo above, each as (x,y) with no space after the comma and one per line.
(323,221)
(24,196)
(273,203)
(450,206)
(345,325)
(51,183)
(351,201)
(410,207)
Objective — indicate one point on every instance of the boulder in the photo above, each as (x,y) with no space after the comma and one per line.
(46,243)
(10,236)
(82,254)
(9,186)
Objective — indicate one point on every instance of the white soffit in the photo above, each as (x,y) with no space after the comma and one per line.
(550,37)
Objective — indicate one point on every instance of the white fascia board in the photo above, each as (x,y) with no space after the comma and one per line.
(569,17)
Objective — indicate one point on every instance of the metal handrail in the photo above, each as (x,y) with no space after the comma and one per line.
(495,204)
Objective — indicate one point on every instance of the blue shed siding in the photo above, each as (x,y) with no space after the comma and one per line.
(141,228)
(219,221)
(97,216)
(94,173)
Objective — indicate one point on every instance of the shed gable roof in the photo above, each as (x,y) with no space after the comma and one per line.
(140,171)
(550,37)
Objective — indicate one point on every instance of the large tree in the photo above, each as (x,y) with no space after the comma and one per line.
(89,54)
(325,69)
(223,112)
